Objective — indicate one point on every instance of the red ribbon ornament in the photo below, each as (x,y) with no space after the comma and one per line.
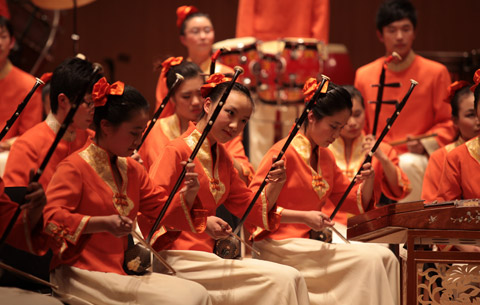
(46,77)
(454,87)
(183,12)
(213,81)
(102,89)
(309,88)
(170,62)
(476,80)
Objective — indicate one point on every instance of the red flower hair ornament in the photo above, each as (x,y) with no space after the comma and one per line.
(102,89)
(46,77)
(213,81)
(311,86)
(183,12)
(170,62)
(454,87)
(476,80)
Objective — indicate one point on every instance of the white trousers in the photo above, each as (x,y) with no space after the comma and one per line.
(338,274)
(235,282)
(414,166)
(15,296)
(83,287)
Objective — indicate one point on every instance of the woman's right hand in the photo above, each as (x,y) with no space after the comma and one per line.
(217,228)
(116,225)
(317,220)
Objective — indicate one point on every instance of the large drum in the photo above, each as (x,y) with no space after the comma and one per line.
(240,52)
(338,66)
(269,71)
(291,61)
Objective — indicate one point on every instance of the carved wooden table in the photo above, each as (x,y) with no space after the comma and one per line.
(432,277)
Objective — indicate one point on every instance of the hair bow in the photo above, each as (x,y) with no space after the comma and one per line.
(169,62)
(102,88)
(476,80)
(454,87)
(212,81)
(183,12)
(46,77)
(309,88)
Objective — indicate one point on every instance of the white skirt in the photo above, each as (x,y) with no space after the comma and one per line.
(15,296)
(235,282)
(339,273)
(83,287)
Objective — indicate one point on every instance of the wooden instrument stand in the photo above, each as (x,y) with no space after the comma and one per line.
(432,277)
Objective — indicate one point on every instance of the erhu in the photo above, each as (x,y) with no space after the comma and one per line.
(381,85)
(178,81)
(208,127)
(20,107)
(229,248)
(137,257)
(369,156)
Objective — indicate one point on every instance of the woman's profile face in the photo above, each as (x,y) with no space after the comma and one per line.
(467,122)
(323,132)
(188,99)
(355,123)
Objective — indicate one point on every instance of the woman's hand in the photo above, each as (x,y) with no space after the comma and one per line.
(366,173)
(415,146)
(136,156)
(278,173)
(117,225)
(191,184)
(217,228)
(317,220)
(35,200)
(367,145)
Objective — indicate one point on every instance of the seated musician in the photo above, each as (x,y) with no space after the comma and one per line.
(468,125)
(187,104)
(93,199)
(25,235)
(197,35)
(228,281)
(350,150)
(425,112)
(330,270)
(29,150)
(461,171)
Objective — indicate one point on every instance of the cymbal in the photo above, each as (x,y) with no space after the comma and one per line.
(59,4)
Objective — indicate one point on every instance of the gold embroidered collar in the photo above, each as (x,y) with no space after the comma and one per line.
(303,147)
(451,146)
(351,166)
(204,155)
(55,125)
(99,160)
(170,126)
(473,147)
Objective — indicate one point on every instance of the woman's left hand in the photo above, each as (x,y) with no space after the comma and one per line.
(191,184)
(367,172)
(278,173)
